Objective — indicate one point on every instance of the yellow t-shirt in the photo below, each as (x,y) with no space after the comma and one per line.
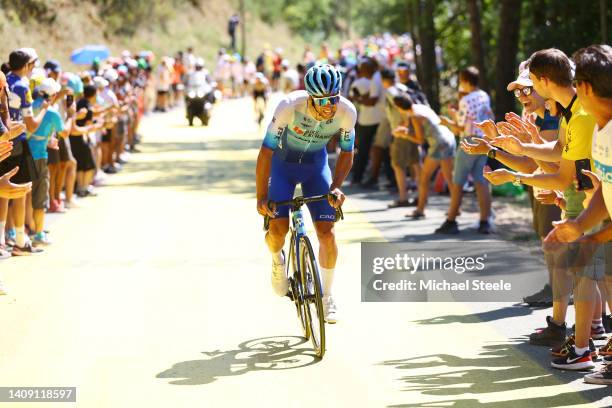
(577,134)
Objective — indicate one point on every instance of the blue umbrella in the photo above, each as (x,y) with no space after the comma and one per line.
(87,54)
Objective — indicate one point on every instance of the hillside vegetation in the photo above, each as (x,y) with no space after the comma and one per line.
(56,27)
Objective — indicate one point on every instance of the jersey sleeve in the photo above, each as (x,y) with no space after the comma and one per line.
(347,130)
(282,116)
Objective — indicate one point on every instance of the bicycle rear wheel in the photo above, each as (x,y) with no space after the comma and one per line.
(313,296)
(297,291)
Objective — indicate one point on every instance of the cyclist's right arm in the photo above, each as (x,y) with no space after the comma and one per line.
(280,120)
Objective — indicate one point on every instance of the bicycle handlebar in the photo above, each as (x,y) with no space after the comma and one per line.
(297,202)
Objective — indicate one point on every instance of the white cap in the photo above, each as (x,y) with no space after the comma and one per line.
(100,82)
(522,80)
(49,86)
(199,62)
(285,63)
(111,75)
(31,52)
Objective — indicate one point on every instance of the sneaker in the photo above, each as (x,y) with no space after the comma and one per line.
(541,298)
(280,283)
(109,169)
(607,349)
(330,310)
(484,227)
(41,239)
(11,236)
(406,203)
(91,192)
(598,333)
(551,336)
(606,320)
(563,350)
(573,361)
(603,377)
(4,253)
(25,250)
(448,227)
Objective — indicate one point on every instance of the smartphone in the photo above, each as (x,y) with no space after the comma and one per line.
(584,182)
(69,100)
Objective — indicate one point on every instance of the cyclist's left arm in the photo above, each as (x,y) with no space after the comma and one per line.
(345,159)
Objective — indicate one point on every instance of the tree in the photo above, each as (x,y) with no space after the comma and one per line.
(477,47)
(507,49)
(430,77)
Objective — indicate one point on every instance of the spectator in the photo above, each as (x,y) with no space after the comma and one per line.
(21,62)
(474,106)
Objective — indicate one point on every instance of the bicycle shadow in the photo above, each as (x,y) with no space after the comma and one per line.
(262,354)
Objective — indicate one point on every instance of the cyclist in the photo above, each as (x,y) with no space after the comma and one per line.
(261,89)
(293,151)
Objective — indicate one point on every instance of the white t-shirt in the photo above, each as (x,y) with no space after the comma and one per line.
(602,156)
(370,115)
(474,107)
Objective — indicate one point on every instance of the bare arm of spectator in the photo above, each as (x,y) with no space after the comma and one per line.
(548,152)
(518,163)
(5,149)
(551,181)
(10,190)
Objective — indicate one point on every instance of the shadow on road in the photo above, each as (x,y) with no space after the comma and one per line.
(500,367)
(488,316)
(267,353)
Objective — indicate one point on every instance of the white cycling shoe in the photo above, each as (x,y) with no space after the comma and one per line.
(280,283)
(330,310)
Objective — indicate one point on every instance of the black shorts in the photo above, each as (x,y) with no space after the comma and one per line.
(82,153)
(107,136)
(259,94)
(22,157)
(65,153)
(53,156)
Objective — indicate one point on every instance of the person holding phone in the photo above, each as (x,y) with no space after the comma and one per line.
(552,75)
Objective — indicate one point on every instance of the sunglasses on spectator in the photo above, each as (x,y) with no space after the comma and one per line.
(327,100)
(525,91)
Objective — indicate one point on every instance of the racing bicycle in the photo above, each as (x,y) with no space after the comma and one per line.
(305,289)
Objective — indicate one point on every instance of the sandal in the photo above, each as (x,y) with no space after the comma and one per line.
(406,203)
(416,215)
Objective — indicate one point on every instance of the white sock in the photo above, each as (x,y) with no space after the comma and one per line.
(2,233)
(580,350)
(328,279)
(20,240)
(277,257)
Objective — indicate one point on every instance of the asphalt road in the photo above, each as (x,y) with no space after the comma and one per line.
(157,294)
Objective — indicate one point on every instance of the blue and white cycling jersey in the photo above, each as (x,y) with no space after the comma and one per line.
(297,137)
(300,156)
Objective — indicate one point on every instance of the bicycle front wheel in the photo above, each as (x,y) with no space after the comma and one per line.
(297,292)
(313,296)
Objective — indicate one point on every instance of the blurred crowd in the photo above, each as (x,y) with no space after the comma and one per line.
(61,134)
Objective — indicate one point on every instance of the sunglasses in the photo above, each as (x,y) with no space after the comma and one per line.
(525,91)
(327,100)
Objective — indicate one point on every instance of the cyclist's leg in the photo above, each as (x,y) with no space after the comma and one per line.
(323,216)
(281,188)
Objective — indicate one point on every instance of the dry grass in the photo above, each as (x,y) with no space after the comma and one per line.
(80,23)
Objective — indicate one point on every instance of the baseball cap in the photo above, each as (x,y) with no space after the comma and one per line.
(100,82)
(53,66)
(49,86)
(522,80)
(111,75)
(30,52)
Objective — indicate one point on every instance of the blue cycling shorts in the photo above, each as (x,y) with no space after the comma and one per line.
(315,179)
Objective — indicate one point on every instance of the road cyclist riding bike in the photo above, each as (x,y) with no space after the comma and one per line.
(261,89)
(294,152)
